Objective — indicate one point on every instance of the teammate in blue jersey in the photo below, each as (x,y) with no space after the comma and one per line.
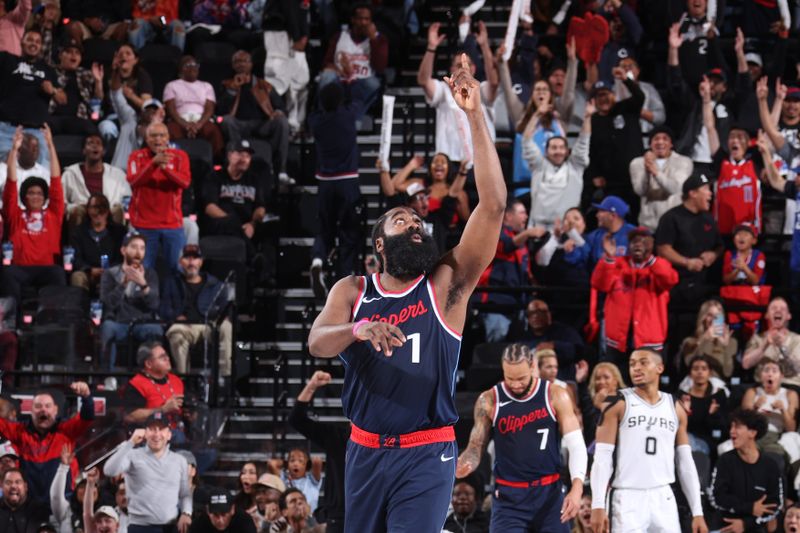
(530,418)
(398,335)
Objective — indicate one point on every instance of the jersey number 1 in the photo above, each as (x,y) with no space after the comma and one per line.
(415,342)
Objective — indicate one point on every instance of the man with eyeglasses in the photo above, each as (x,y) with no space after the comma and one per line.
(565,341)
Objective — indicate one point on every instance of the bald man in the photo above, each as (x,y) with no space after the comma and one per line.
(158,175)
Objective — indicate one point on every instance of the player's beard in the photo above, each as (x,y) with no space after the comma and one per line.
(525,392)
(406,259)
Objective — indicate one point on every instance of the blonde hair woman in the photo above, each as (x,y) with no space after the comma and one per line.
(712,338)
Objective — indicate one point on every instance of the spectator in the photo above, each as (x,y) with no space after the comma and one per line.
(301,472)
(295,514)
(158,175)
(705,399)
(333,439)
(778,404)
(137,85)
(248,477)
(509,268)
(222,515)
(46,19)
(192,300)
(8,457)
(69,512)
(653,113)
(694,140)
(334,130)
(737,190)
(18,511)
(129,293)
(267,496)
(190,105)
(105,519)
(27,165)
(616,139)
(93,176)
(12,26)
(687,237)
(556,176)
(39,441)
(565,254)
(547,360)
(467,516)
(637,293)
(156,478)
(746,487)
(286,69)
(452,137)
(595,396)
(236,200)
(73,115)
(356,56)
(155,390)
(34,230)
(151,19)
(658,177)
(565,340)
(97,243)
(611,214)
(744,268)
(698,48)
(9,345)
(776,343)
(253,109)
(791,520)
(100,19)
(24,98)
(713,339)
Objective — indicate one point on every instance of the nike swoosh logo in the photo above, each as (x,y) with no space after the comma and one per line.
(370,300)
(445,459)
(503,404)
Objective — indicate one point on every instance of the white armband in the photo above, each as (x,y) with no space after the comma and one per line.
(578,458)
(602,468)
(687,475)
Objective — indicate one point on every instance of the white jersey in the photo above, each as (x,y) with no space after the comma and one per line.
(645,452)
(358,55)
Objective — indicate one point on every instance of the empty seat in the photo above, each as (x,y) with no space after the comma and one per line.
(223,254)
(196,149)
(69,149)
(215,62)
(97,50)
(161,62)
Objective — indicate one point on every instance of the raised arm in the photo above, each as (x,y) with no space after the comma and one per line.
(92,476)
(516,108)
(391,185)
(488,62)
(470,458)
(458,271)
(767,122)
(708,116)
(425,74)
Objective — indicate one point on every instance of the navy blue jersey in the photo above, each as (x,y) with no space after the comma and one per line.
(413,388)
(527,441)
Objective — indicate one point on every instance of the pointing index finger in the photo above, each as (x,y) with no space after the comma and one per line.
(464,61)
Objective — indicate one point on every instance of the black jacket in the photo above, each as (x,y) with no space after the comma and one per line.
(25,519)
(88,250)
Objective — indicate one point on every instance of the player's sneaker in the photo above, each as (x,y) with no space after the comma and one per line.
(318,285)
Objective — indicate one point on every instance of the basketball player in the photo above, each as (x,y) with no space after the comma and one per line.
(648,429)
(528,414)
(398,333)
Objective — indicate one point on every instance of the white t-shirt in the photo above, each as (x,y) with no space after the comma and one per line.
(645,452)
(452,129)
(357,53)
(36,170)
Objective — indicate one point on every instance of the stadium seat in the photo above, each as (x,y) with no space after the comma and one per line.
(223,254)
(215,62)
(161,62)
(196,149)
(69,148)
(96,50)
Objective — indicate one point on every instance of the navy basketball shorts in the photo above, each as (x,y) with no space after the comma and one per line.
(527,510)
(390,489)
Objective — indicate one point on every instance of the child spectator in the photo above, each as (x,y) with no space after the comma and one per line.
(297,475)
(741,269)
(779,405)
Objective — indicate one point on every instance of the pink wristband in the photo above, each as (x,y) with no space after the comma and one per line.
(358,325)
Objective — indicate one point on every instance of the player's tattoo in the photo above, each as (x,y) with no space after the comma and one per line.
(479,435)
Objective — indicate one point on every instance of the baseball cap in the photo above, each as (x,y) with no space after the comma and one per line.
(415,188)
(695,181)
(130,236)
(717,73)
(72,43)
(746,226)
(615,204)
(272,481)
(108,511)
(152,102)
(625,53)
(192,250)
(219,501)
(662,129)
(793,93)
(7,449)
(640,231)
(599,86)
(189,456)
(46,527)
(242,145)
(754,57)
(156,419)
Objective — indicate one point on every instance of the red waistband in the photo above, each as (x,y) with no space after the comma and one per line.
(407,440)
(541,482)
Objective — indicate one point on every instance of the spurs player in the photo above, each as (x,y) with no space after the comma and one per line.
(648,430)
